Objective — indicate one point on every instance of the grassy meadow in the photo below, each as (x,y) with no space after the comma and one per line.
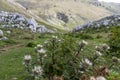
(22,42)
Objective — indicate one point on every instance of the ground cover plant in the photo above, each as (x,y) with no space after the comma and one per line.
(65,64)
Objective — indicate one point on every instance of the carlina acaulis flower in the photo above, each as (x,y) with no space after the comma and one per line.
(27,59)
(105,47)
(115,59)
(37,71)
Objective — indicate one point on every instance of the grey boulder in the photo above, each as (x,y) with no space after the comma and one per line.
(1,33)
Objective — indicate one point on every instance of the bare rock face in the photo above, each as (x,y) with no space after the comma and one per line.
(43,29)
(113,20)
(63,17)
(16,20)
(32,24)
(2,37)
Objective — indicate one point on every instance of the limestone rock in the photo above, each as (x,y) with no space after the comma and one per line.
(1,33)
(32,24)
(113,20)
(4,38)
(43,29)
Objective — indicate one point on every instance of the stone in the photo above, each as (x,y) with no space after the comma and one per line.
(106,22)
(32,24)
(1,33)
(8,32)
(4,38)
(113,20)
(32,28)
(43,29)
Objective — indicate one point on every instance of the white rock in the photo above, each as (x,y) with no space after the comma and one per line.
(4,38)
(1,33)
(8,32)
(43,29)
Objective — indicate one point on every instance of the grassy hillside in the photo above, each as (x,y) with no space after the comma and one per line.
(9,5)
(12,51)
(77,11)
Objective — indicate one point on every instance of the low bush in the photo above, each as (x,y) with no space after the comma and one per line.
(62,59)
(114,42)
(86,36)
(32,44)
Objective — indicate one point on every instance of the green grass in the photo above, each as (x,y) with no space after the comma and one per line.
(11,63)
(11,60)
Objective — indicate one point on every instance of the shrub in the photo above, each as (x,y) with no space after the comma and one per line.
(62,58)
(81,35)
(86,36)
(114,42)
(32,44)
(98,36)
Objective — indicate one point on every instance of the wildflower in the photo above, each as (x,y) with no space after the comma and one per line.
(84,42)
(46,42)
(98,53)
(105,47)
(92,78)
(37,70)
(39,45)
(59,40)
(115,59)
(98,49)
(41,51)
(27,59)
(81,72)
(54,37)
(100,78)
(87,61)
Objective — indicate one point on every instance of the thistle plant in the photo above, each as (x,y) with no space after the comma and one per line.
(41,53)
(62,58)
(27,62)
(37,72)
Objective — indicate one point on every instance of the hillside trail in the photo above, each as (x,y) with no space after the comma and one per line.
(6,48)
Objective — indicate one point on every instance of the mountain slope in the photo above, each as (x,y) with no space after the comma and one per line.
(106,22)
(77,11)
(10,5)
(63,14)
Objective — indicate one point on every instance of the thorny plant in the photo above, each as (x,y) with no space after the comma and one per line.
(61,59)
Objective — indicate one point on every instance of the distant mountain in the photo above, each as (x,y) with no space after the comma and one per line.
(106,22)
(63,14)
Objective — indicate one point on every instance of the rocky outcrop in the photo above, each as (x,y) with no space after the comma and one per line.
(16,20)
(63,17)
(43,29)
(32,24)
(2,37)
(1,33)
(113,20)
